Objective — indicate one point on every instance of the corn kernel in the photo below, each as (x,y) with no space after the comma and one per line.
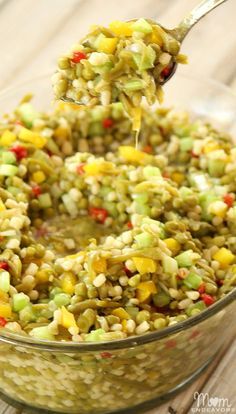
(5,310)
(177,177)
(145,290)
(61,133)
(4,297)
(144,265)
(121,28)
(107,45)
(120,313)
(100,265)
(173,245)
(38,177)
(68,283)
(32,137)
(124,325)
(42,276)
(7,138)
(218,208)
(67,318)
(224,256)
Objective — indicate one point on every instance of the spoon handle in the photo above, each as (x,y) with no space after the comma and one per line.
(196,14)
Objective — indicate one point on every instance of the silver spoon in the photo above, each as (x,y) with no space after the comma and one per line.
(186,25)
(179,32)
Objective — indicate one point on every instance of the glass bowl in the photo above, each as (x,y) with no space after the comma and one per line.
(133,374)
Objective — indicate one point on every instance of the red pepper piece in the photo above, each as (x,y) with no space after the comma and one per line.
(148,149)
(171,344)
(194,155)
(201,288)
(106,355)
(36,190)
(207,299)
(107,123)
(228,199)
(20,152)
(4,265)
(98,214)
(3,322)
(80,169)
(78,56)
(129,225)
(165,174)
(128,272)
(166,71)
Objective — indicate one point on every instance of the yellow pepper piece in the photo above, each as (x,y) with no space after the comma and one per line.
(224,256)
(107,45)
(7,138)
(173,245)
(68,106)
(38,177)
(177,177)
(211,146)
(130,154)
(4,297)
(156,37)
(145,290)
(61,133)
(124,325)
(218,208)
(121,28)
(68,283)
(120,313)
(5,310)
(32,137)
(42,276)
(144,265)
(74,256)
(95,168)
(67,318)
(2,206)
(100,265)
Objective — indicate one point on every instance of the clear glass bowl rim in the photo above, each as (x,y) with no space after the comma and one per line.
(130,342)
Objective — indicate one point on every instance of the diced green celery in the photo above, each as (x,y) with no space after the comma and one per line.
(104,191)
(20,301)
(141,198)
(27,314)
(141,25)
(45,200)
(160,226)
(216,167)
(186,144)
(199,180)
(187,258)
(144,240)
(169,264)
(61,299)
(111,208)
(42,332)
(8,170)
(193,281)
(8,157)
(161,299)
(132,311)
(145,60)
(98,39)
(94,336)
(101,69)
(4,281)
(150,171)
(205,200)
(141,208)
(199,306)
(14,190)
(98,113)
(185,192)
(134,85)
(117,110)
(95,128)
(27,113)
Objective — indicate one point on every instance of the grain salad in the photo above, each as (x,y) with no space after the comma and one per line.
(157,234)
(124,62)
